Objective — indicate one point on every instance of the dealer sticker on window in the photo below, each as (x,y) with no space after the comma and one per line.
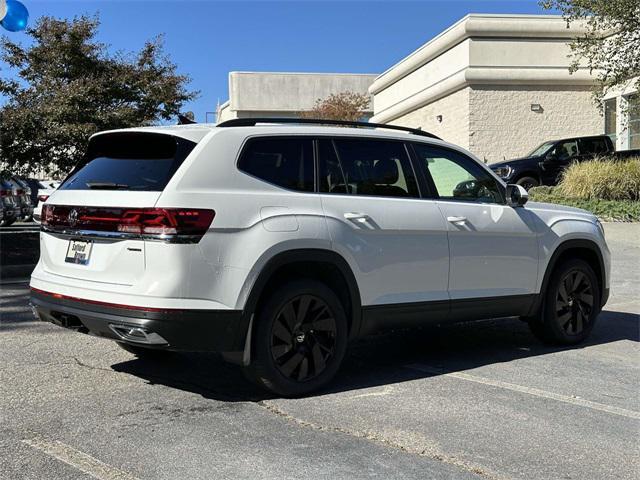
(78,252)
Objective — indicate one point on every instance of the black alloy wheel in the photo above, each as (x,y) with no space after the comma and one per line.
(570,305)
(303,338)
(574,302)
(299,338)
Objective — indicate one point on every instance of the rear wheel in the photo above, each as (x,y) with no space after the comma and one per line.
(299,340)
(571,305)
(527,182)
(7,222)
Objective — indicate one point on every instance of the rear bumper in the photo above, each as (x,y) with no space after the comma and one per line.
(222,331)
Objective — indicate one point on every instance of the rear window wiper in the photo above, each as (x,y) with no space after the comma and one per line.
(107,186)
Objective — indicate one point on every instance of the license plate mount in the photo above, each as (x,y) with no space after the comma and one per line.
(79,252)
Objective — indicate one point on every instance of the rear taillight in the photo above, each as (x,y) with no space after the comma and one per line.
(6,193)
(179,224)
(43,198)
(19,191)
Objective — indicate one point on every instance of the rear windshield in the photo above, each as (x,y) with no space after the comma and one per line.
(129,161)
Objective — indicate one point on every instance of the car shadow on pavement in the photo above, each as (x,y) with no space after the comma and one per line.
(383,359)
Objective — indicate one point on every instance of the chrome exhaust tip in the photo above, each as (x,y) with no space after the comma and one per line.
(137,335)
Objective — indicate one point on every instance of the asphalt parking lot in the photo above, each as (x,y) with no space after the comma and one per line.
(484,400)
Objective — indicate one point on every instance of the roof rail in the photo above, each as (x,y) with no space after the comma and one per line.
(251,122)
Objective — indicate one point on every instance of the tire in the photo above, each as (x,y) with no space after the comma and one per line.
(527,182)
(7,223)
(570,306)
(145,353)
(299,339)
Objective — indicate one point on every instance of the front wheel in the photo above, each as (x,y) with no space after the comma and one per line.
(527,182)
(300,339)
(571,305)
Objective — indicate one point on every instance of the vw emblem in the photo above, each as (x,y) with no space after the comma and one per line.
(73,217)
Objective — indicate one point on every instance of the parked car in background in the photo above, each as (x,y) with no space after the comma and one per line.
(300,238)
(23,193)
(10,201)
(545,164)
(48,187)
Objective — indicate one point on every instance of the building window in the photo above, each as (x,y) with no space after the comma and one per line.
(634,121)
(610,114)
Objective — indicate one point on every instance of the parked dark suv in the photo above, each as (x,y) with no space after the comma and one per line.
(545,163)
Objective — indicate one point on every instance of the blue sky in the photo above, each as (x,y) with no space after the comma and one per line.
(208,39)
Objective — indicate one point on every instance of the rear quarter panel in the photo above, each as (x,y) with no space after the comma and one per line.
(253,222)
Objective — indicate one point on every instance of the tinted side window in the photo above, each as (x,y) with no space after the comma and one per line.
(366,167)
(592,146)
(457,177)
(565,150)
(286,162)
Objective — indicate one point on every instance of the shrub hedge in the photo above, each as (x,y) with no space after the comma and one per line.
(607,210)
(602,179)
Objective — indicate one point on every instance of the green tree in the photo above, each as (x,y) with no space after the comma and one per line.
(349,106)
(67,86)
(610,46)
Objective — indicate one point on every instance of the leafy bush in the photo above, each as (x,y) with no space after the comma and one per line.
(602,179)
(608,210)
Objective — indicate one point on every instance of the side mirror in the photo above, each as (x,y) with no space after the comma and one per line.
(517,196)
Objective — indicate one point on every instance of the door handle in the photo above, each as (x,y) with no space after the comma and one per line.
(356,217)
(456,219)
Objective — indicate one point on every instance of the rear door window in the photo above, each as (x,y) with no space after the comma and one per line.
(283,161)
(366,167)
(129,161)
(593,146)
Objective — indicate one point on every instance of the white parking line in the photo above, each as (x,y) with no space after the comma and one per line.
(386,390)
(581,402)
(77,459)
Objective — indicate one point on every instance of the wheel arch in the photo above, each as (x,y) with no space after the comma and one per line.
(584,249)
(315,263)
(528,173)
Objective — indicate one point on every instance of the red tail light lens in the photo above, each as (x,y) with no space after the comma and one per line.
(43,198)
(6,193)
(159,223)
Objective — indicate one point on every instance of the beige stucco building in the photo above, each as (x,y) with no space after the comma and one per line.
(495,84)
(285,95)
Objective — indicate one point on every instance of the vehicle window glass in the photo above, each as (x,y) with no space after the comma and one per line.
(366,167)
(593,146)
(457,177)
(565,150)
(286,162)
(540,149)
(330,174)
(129,161)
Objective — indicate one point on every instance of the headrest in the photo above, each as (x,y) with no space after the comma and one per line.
(385,172)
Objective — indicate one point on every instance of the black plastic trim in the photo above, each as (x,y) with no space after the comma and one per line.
(185,330)
(309,255)
(404,315)
(563,247)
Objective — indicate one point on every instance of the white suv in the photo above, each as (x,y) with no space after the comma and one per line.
(276,244)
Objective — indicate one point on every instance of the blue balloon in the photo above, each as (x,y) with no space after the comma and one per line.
(17,16)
